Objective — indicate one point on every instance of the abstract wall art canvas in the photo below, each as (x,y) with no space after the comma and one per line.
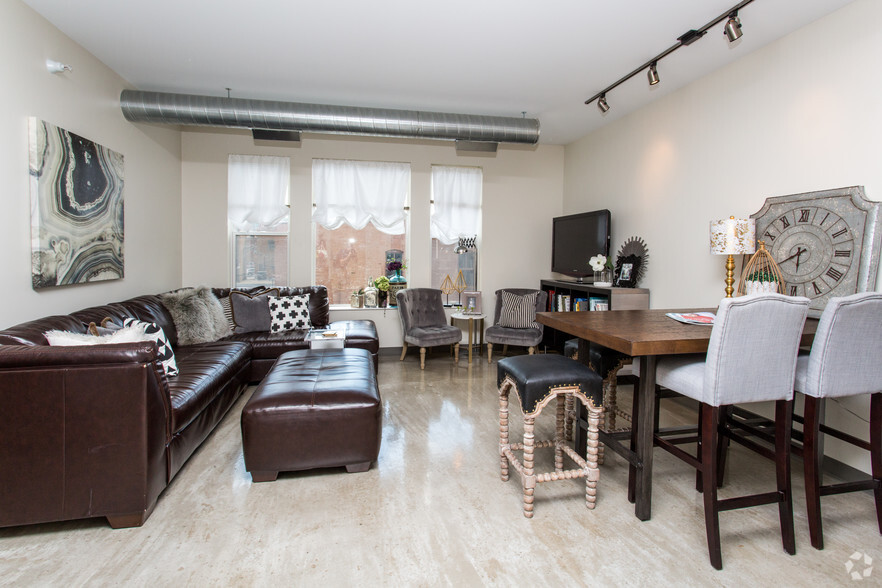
(76,208)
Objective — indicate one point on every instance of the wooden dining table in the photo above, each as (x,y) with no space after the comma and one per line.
(645,335)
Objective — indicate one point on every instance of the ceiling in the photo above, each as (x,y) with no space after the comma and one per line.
(489,57)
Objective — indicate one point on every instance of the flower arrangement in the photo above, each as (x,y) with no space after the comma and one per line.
(395,266)
(382,284)
(599,262)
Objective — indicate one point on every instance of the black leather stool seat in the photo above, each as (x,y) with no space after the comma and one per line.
(536,377)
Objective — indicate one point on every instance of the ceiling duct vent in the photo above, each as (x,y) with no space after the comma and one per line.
(184,109)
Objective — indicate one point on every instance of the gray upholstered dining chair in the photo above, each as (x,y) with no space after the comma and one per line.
(423,322)
(844,361)
(751,357)
(514,319)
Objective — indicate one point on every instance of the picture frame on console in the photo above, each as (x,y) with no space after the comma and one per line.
(471,302)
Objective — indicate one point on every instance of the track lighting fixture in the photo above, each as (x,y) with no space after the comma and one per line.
(652,74)
(732,31)
(733,27)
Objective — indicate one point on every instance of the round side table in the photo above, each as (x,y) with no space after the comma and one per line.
(472,318)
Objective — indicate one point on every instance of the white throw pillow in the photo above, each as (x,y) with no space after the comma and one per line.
(131,334)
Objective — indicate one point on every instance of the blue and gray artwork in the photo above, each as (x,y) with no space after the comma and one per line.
(76,208)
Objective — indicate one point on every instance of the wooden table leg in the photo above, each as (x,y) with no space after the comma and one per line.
(642,475)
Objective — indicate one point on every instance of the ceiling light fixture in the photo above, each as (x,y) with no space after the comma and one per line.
(733,27)
(652,74)
(732,31)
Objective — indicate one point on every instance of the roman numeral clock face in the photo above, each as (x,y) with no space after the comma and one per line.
(817,240)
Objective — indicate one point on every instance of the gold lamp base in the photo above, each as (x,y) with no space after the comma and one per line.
(730,275)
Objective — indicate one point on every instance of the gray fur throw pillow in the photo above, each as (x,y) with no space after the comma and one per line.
(197,314)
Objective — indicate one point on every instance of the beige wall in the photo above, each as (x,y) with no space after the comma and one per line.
(85,102)
(522,192)
(801,114)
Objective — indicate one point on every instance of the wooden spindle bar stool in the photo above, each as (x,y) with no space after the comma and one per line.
(537,379)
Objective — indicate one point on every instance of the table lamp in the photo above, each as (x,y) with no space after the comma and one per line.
(728,237)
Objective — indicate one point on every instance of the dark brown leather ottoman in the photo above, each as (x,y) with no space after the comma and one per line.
(316,408)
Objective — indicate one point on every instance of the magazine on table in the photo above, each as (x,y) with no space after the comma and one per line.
(693,318)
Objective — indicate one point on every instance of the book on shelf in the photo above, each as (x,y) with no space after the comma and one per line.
(580,304)
(601,305)
(595,300)
(550,302)
(693,318)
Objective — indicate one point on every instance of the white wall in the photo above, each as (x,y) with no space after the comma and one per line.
(523,187)
(802,114)
(85,102)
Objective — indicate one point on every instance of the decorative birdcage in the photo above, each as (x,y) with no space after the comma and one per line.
(761,274)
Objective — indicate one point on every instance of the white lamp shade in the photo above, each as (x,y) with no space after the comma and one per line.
(732,235)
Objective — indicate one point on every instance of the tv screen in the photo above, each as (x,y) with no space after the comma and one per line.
(576,238)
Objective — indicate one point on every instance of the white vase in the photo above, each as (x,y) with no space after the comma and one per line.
(603,278)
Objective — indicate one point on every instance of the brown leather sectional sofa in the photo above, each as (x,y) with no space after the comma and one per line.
(100,431)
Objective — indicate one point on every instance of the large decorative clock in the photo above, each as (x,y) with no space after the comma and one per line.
(826,243)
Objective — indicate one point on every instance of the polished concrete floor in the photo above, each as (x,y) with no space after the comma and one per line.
(433,512)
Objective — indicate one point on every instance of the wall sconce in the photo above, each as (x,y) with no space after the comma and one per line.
(53,66)
(728,237)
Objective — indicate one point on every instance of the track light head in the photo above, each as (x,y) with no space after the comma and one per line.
(733,27)
(602,103)
(652,74)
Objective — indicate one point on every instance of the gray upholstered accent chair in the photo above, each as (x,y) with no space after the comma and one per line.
(844,361)
(423,322)
(751,357)
(504,335)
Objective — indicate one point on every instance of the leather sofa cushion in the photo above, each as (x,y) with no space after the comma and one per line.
(203,370)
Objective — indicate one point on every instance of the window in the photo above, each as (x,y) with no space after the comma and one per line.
(360,216)
(456,216)
(258,217)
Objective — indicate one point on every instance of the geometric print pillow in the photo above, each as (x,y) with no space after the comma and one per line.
(289,313)
(518,311)
(166,355)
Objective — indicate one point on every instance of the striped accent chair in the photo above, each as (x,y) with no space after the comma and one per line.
(514,320)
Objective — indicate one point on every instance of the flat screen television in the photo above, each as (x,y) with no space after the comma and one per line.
(576,238)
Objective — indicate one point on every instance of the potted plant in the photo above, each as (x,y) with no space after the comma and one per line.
(382,285)
(760,282)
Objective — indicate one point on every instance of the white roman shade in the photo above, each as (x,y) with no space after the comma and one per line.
(360,192)
(257,192)
(456,192)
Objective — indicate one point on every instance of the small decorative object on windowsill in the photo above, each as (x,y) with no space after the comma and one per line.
(357,299)
(602,270)
(460,285)
(382,284)
(447,289)
(631,263)
(396,282)
(371,294)
(761,274)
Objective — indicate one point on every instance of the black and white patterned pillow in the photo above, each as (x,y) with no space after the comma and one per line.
(166,354)
(289,313)
(518,311)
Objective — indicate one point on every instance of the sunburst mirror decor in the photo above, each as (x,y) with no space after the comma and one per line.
(631,263)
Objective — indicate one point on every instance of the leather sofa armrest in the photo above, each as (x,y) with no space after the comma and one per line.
(83,433)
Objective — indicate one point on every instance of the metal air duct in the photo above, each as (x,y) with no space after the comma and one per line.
(184,109)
